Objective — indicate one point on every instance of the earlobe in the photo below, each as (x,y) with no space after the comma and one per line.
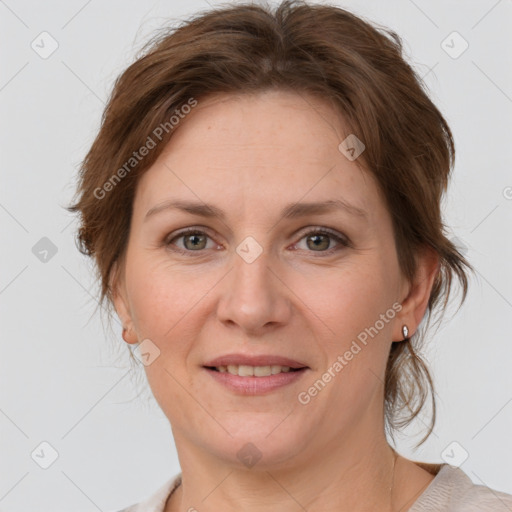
(415,304)
(129,336)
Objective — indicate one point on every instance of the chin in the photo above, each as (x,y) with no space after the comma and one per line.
(257,442)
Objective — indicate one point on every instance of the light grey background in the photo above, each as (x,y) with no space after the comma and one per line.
(60,381)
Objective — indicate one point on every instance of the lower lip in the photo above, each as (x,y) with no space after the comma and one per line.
(256,385)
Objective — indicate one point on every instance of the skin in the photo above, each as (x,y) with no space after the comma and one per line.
(251,155)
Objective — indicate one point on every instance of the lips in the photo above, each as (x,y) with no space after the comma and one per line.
(254,360)
(246,375)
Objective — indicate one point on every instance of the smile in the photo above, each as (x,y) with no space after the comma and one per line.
(244,380)
(244,370)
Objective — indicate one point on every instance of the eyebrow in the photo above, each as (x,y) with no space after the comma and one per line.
(291,211)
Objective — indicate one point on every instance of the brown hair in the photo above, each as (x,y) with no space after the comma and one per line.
(316,49)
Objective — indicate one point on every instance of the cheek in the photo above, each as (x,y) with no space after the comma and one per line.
(162,296)
(357,345)
(162,301)
(350,300)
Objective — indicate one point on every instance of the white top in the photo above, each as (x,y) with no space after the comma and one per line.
(451,490)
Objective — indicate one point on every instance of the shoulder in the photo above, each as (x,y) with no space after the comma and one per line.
(156,501)
(452,490)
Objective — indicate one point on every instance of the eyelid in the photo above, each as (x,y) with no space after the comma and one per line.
(323,230)
(342,240)
(186,231)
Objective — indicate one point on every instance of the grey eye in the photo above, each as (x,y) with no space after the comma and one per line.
(196,241)
(318,241)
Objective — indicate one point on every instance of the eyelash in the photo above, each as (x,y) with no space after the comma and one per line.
(344,242)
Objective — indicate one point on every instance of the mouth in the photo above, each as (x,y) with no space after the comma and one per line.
(243,370)
(257,378)
(254,374)
(254,364)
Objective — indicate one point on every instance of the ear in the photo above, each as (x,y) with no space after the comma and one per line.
(417,293)
(121,303)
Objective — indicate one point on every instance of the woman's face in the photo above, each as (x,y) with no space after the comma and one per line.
(319,286)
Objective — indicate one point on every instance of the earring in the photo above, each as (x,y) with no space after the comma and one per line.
(405,331)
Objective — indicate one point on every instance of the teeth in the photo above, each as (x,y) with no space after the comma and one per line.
(252,371)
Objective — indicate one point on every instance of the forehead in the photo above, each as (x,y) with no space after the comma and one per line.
(256,151)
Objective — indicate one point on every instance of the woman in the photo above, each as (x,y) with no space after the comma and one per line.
(263,206)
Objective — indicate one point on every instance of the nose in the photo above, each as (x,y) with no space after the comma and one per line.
(254,296)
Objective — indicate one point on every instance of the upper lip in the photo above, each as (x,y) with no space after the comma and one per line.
(255,360)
